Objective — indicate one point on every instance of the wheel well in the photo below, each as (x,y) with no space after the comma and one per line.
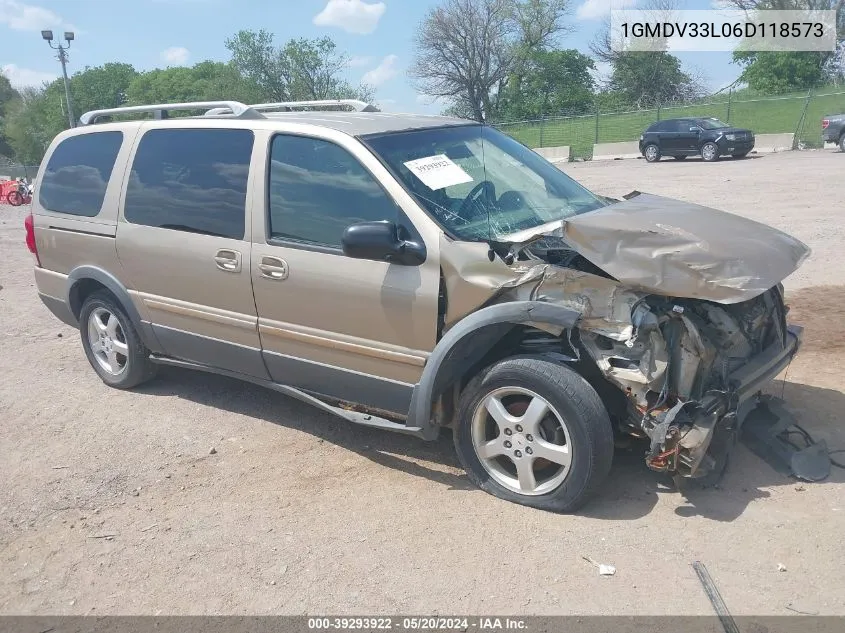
(465,362)
(81,290)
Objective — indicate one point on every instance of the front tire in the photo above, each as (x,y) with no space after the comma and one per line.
(710,152)
(534,432)
(651,153)
(112,344)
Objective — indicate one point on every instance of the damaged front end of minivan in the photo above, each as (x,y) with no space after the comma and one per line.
(681,310)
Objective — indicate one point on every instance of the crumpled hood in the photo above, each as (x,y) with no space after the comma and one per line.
(681,249)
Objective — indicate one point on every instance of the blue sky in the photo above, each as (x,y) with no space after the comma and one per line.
(378,35)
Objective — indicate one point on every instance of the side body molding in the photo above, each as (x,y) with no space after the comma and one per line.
(80,274)
(467,343)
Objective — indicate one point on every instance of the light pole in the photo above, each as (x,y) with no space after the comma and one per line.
(48,36)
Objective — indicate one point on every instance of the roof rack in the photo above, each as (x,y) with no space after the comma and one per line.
(355,104)
(160,110)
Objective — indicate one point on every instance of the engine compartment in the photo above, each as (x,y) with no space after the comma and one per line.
(673,353)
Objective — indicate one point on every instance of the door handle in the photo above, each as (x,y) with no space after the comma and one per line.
(228,260)
(273,268)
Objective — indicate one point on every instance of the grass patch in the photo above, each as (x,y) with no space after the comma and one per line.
(764,115)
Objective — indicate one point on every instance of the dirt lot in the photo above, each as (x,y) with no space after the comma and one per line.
(297,512)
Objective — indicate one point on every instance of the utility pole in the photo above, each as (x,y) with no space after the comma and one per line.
(63,58)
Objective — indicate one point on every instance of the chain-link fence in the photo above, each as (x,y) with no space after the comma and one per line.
(11,170)
(794,113)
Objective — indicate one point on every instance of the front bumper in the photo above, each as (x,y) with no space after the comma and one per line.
(736,147)
(726,410)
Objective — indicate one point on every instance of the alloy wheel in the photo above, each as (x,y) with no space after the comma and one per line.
(522,441)
(107,341)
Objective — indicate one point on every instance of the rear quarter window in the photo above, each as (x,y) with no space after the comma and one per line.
(78,173)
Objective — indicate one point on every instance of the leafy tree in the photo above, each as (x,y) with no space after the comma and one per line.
(31,124)
(773,72)
(303,69)
(650,79)
(39,115)
(551,82)
(205,81)
(8,97)
(468,50)
(101,87)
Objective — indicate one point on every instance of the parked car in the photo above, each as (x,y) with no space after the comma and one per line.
(708,137)
(833,129)
(414,273)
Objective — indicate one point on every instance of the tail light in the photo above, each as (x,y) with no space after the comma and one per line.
(30,238)
(825,123)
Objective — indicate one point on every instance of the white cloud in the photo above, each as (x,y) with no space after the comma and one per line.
(27,17)
(353,16)
(597,9)
(382,73)
(175,55)
(356,61)
(24,77)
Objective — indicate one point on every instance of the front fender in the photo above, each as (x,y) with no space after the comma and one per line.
(467,342)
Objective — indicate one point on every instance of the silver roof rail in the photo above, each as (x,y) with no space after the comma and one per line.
(160,110)
(354,104)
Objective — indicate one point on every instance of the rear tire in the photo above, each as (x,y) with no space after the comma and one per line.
(531,415)
(112,344)
(710,152)
(651,153)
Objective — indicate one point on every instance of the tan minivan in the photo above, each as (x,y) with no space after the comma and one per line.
(411,273)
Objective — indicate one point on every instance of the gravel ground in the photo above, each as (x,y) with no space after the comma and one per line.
(114,502)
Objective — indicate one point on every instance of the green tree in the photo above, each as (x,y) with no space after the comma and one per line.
(551,82)
(31,124)
(39,115)
(650,79)
(205,81)
(101,87)
(771,72)
(302,69)
(8,97)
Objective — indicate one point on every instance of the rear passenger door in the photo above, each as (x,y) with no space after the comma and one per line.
(184,242)
(355,330)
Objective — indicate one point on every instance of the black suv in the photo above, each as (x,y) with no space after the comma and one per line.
(710,138)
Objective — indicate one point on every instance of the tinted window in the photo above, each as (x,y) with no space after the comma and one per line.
(78,172)
(660,126)
(712,124)
(317,189)
(191,180)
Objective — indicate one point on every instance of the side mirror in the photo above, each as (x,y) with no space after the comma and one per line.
(381,242)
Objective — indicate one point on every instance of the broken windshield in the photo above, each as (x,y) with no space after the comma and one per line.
(478,183)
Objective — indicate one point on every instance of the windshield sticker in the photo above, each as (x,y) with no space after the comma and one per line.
(438,172)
